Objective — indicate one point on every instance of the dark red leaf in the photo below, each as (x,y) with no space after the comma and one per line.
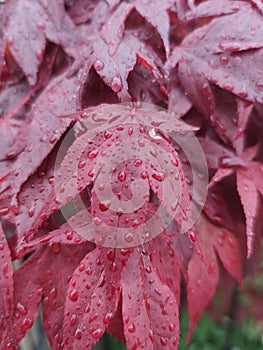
(203,270)
(28,27)
(150,309)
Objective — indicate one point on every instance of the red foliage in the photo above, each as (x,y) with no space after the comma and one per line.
(74,162)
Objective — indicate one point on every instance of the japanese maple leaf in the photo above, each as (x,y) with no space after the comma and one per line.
(203,269)
(114,68)
(52,265)
(108,273)
(113,51)
(248,172)
(137,170)
(104,276)
(40,138)
(154,12)
(211,54)
(29,25)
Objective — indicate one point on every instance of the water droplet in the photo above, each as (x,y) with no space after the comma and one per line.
(21,309)
(93,154)
(233,47)
(81,267)
(130,131)
(246,188)
(158,177)
(153,134)
(101,186)
(93,317)
(88,270)
(73,320)
(192,236)
(131,328)
(113,266)
(243,94)
(69,235)
(144,175)
(163,341)
(98,65)
(171,327)
(108,134)
(81,164)
(223,59)
(97,333)
(53,292)
(111,254)
(128,237)
(97,221)
(41,26)
(116,84)
(122,175)
(138,162)
(228,87)
(120,127)
(107,318)
(141,143)
(73,295)
(31,210)
(148,269)
(78,334)
(104,205)
(4,211)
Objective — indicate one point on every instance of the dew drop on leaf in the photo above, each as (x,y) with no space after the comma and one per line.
(116,84)
(31,210)
(143,175)
(113,266)
(138,162)
(108,134)
(88,270)
(163,341)
(97,333)
(21,309)
(159,177)
(122,175)
(130,131)
(78,334)
(104,206)
(107,318)
(128,237)
(69,235)
(228,87)
(73,320)
(98,65)
(4,211)
(93,154)
(73,295)
(111,254)
(81,164)
(132,328)
(93,317)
